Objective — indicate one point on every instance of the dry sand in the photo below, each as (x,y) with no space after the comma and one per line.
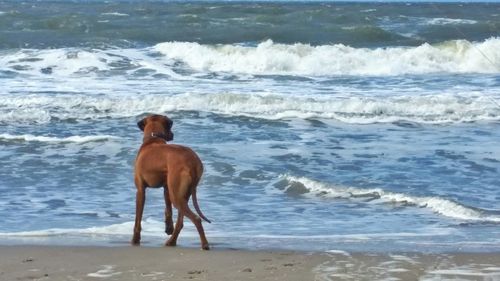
(147,263)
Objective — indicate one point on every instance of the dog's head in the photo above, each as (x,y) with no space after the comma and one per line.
(157,126)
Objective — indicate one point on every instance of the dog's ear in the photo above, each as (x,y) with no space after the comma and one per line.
(141,124)
(169,123)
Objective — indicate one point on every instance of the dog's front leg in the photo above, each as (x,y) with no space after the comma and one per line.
(139,208)
(169,224)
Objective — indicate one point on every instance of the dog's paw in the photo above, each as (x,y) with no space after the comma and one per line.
(136,240)
(170,243)
(205,247)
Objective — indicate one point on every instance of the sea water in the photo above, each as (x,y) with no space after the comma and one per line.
(321,125)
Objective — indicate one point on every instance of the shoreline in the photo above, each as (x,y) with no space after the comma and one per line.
(25,262)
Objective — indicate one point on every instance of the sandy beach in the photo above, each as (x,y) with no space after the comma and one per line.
(148,263)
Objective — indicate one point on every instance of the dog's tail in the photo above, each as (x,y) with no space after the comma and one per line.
(197,207)
(199,172)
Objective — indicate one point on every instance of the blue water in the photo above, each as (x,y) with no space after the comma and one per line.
(352,126)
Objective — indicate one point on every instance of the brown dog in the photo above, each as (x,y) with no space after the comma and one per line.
(175,168)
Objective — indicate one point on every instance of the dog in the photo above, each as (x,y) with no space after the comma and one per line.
(176,168)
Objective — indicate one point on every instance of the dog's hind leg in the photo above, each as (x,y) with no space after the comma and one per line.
(139,208)
(178,227)
(197,222)
(169,225)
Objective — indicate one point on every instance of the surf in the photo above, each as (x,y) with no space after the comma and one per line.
(270,58)
(49,139)
(441,206)
(421,109)
(186,60)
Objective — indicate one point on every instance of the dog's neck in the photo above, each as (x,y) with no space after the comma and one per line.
(155,135)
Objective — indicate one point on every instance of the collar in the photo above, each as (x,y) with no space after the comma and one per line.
(158,135)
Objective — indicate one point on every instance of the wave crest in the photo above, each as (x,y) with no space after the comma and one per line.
(441,206)
(357,110)
(267,58)
(459,56)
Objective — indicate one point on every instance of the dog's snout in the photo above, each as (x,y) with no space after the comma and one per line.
(170,136)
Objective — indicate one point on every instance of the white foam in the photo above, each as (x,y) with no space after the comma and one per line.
(153,274)
(154,229)
(401,258)
(116,14)
(115,229)
(448,21)
(150,228)
(459,56)
(474,271)
(338,252)
(453,108)
(74,139)
(75,62)
(106,272)
(62,62)
(444,207)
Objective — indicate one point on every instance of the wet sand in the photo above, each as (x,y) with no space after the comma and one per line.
(165,263)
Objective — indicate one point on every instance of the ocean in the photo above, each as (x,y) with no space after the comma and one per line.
(323,126)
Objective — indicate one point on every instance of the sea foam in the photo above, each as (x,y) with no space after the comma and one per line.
(46,139)
(150,228)
(444,108)
(441,206)
(458,56)
(61,62)
(450,21)
(266,58)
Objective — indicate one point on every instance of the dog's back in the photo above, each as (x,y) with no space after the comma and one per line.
(155,161)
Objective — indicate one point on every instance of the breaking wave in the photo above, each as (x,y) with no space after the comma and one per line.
(266,58)
(358,110)
(441,206)
(458,56)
